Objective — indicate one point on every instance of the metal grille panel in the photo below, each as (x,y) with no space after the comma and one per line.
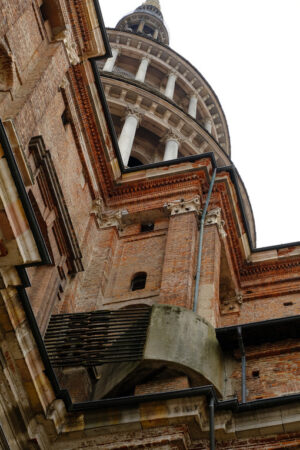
(98,337)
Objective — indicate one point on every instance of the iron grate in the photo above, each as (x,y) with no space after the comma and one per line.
(98,337)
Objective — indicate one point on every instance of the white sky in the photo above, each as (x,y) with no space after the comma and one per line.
(248,51)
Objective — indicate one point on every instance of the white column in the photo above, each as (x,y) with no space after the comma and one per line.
(127,135)
(169,92)
(207,124)
(171,149)
(155,36)
(193,106)
(141,73)
(110,63)
(141,26)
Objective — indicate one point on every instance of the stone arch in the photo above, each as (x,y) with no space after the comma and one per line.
(6,68)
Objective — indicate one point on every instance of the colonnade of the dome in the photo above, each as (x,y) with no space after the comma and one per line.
(151,89)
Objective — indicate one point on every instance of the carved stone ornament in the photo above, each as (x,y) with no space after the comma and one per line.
(184,206)
(107,218)
(132,111)
(67,38)
(171,135)
(214,217)
(232,305)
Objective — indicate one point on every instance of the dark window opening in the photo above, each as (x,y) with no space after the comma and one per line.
(288,304)
(148,30)
(146,227)
(255,373)
(133,162)
(138,281)
(43,12)
(65,117)
(134,27)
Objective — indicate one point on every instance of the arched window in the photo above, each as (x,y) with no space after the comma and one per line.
(138,281)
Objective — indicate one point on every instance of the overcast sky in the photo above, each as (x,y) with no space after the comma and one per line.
(248,51)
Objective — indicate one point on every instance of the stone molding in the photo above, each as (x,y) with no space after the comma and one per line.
(67,38)
(214,217)
(184,206)
(107,218)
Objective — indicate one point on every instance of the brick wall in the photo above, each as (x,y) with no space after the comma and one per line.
(272,370)
(208,299)
(264,309)
(179,261)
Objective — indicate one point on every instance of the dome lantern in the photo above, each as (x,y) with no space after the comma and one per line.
(147,19)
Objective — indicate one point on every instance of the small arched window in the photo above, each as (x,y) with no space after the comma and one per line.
(138,281)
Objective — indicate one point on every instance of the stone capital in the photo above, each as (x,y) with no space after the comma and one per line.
(115,48)
(172,135)
(107,218)
(183,206)
(214,217)
(173,73)
(192,94)
(134,112)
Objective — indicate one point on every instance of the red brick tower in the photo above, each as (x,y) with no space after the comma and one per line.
(136,311)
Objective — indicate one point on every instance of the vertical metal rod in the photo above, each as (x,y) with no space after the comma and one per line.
(199,260)
(212,423)
(243,353)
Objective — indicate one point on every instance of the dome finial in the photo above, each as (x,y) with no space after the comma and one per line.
(154,3)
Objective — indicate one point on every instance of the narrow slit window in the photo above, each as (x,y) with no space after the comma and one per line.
(138,281)
(65,117)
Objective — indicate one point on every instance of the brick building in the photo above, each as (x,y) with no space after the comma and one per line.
(136,310)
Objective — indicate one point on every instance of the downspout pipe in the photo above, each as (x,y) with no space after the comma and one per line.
(199,259)
(212,423)
(243,353)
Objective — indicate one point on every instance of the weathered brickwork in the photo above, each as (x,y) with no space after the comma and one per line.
(101,226)
(163,385)
(179,262)
(208,299)
(272,370)
(264,309)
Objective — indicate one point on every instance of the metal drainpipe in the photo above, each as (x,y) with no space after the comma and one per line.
(212,423)
(243,353)
(212,182)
